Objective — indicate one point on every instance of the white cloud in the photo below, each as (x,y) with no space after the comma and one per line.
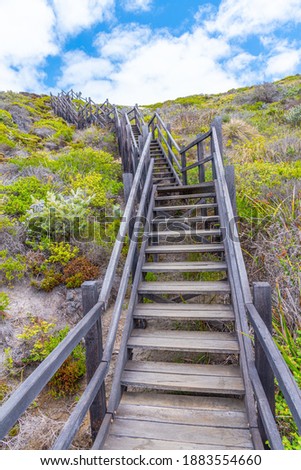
(137,5)
(27,31)
(149,67)
(27,37)
(79,68)
(76,15)
(122,41)
(240,62)
(283,62)
(239,18)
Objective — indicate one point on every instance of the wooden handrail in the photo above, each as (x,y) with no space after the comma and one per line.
(134,143)
(285,378)
(67,434)
(170,150)
(32,386)
(115,390)
(167,132)
(196,141)
(82,115)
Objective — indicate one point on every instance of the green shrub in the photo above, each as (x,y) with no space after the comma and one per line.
(4,303)
(64,132)
(12,136)
(11,268)
(4,390)
(52,278)
(293,116)
(40,340)
(6,118)
(290,347)
(93,185)
(59,217)
(86,161)
(62,253)
(19,195)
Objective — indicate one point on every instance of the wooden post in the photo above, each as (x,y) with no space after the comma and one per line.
(200,155)
(230,180)
(217,123)
(145,133)
(94,351)
(184,172)
(263,303)
(213,159)
(127,184)
(168,127)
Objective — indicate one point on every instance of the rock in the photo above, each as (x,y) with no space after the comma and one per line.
(69,295)
(21,117)
(51,145)
(43,132)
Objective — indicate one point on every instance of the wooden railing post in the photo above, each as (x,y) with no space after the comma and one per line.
(168,127)
(230,180)
(200,155)
(94,352)
(217,123)
(263,304)
(184,172)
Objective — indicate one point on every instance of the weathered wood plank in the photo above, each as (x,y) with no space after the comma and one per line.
(185,196)
(197,336)
(186,402)
(185,266)
(206,186)
(236,438)
(199,342)
(200,248)
(186,287)
(185,207)
(115,442)
(187,233)
(218,419)
(187,220)
(199,370)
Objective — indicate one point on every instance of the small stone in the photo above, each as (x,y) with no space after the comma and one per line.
(69,296)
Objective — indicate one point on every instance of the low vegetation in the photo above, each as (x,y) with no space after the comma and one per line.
(59,209)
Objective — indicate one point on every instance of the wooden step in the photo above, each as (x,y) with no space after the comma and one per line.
(185,267)
(194,378)
(185,287)
(186,312)
(156,421)
(185,220)
(185,196)
(180,232)
(208,186)
(184,208)
(164,181)
(184,341)
(197,248)
(163,174)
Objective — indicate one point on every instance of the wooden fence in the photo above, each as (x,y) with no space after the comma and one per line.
(82,112)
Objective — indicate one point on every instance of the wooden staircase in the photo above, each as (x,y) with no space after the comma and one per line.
(181,382)
(186,375)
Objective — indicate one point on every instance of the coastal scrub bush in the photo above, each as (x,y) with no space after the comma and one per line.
(293,116)
(18,195)
(59,217)
(39,340)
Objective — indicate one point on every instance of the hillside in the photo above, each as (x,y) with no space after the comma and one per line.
(48,165)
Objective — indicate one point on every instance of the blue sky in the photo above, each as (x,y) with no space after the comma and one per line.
(144,51)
